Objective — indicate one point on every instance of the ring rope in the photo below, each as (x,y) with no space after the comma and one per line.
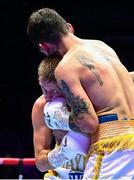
(16,161)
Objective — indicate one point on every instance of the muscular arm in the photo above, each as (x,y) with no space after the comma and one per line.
(42,136)
(83,117)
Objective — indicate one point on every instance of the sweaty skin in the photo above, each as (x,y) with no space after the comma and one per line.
(90,74)
(106,84)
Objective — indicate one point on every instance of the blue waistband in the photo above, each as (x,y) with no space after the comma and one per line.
(107,118)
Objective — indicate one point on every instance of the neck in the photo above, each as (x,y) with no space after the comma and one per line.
(69,40)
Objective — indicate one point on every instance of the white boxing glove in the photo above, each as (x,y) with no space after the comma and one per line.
(72,144)
(56,114)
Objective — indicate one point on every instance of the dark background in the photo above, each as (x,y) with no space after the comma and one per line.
(110,22)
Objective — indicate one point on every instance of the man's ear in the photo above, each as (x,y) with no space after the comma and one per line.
(70,28)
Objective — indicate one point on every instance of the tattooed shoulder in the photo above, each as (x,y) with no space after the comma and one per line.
(89,63)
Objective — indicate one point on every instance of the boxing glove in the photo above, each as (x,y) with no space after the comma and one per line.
(56,114)
(72,144)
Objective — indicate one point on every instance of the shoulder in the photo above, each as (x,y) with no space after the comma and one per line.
(99,43)
(39,104)
(67,67)
(37,112)
(71,64)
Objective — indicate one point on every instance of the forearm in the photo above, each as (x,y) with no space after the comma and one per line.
(83,124)
(41,160)
(58,117)
(50,159)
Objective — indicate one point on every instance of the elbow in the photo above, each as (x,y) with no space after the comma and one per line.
(91,126)
(41,161)
(89,129)
(40,165)
(40,168)
(93,129)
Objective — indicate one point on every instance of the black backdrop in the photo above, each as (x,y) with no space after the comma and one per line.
(110,22)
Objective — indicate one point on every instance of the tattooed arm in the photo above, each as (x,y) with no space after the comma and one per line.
(82,117)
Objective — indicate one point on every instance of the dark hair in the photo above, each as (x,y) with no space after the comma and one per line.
(46,25)
(47,67)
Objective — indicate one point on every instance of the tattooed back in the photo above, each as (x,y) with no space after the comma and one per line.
(92,74)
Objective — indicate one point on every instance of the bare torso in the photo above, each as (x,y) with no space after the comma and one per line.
(105,80)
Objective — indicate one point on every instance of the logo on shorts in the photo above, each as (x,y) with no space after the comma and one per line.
(76,175)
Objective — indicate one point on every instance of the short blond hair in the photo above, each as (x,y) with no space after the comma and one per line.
(47,67)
